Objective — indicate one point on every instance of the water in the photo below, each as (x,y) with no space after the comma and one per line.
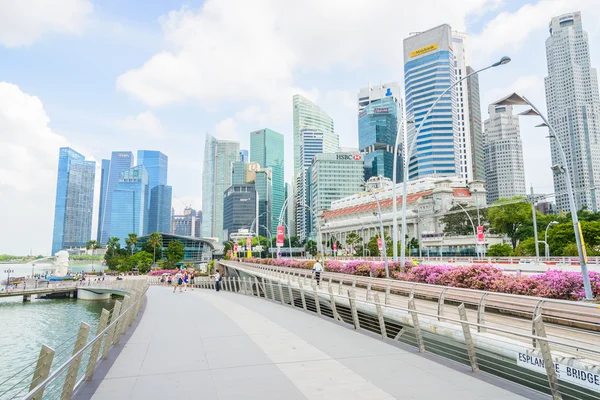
(24,327)
(21,270)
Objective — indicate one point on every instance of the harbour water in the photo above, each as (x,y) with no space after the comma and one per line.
(24,327)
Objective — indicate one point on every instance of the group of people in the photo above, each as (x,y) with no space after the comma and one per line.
(181,280)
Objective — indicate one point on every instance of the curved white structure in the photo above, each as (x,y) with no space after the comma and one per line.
(91,293)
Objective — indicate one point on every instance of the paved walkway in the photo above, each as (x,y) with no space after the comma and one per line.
(209,345)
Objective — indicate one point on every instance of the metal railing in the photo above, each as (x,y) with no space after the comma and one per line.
(59,372)
(532,359)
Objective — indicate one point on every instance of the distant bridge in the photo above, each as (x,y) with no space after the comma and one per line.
(82,290)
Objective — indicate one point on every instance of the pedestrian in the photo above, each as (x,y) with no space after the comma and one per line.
(169,280)
(186,279)
(317,269)
(178,282)
(192,280)
(218,281)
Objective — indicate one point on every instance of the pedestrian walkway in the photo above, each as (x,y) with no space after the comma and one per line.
(210,345)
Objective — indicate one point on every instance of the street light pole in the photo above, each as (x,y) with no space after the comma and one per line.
(472,224)
(547,247)
(8,271)
(515,99)
(535,232)
(394,178)
(502,61)
(383,246)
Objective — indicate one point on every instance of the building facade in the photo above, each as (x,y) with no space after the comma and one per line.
(428,71)
(104,171)
(187,224)
(573,111)
(156,165)
(130,204)
(244,156)
(263,185)
(120,161)
(504,167)
(159,210)
(240,208)
(476,127)
(312,143)
(74,200)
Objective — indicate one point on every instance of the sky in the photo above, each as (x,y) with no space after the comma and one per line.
(101,76)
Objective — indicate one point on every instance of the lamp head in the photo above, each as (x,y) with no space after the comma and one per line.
(511,100)
(530,112)
(502,61)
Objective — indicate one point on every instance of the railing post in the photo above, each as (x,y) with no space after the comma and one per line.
(368,296)
(536,313)
(122,322)
(272,290)
(89,372)
(333,305)
(257,287)
(540,331)
(387,293)
(290,293)
(303,298)
(67,392)
(42,370)
(441,303)
(468,338)
(341,287)
(352,297)
(481,313)
(354,283)
(316,296)
(415,319)
(111,332)
(280,293)
(380,316)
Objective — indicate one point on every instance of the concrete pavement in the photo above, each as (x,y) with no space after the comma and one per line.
(208,345)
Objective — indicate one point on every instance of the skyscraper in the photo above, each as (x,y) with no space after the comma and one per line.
(159,210)
(428,70)
(573,110)
(266,149)
(312,143)
(120,161)
(103,185)
(379,109)
(477,139)
(156,165)
(244,156)
(74,200)
(264,191)
(130,203)
(504,169)
(239,208)
(219,155)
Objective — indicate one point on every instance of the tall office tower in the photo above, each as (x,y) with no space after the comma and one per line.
(573,111)
(187,224)
(266,149)
(264,191)
(312,143)
(244,156)
(504,169)
(477,139)
(429,69)
(290,216)
(239,208)
(156,164)
(130,204)
(219,155)
(379,111)
(159,210)
(103,185)
(120,161)
(74,200)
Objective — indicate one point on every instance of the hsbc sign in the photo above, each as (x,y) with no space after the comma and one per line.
(349,157)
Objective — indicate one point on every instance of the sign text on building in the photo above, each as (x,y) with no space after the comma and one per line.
(381,110)
(349,157)
(423,50)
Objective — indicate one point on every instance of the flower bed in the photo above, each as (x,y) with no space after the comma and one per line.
(159,272)
(554,284)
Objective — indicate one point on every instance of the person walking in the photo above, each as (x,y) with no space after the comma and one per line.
(186,279)
(178,282)
(192,281)
(317,269)
(218,281)
(169,280)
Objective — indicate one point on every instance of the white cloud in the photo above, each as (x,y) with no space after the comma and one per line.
(29,154)
(145,123)
(227,130)
(22,22)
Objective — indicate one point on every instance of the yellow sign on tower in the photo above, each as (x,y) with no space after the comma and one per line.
(423,50)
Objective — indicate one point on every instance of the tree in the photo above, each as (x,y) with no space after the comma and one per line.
(458,224)
(155,240)
(142,260)
(500,250)
(175,252)
(131,241)
(508,219)
(526,248)
(311,247)
(113,245)
(353,239)
(92,245)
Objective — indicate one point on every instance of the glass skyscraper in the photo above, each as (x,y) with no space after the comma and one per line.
(266,149)
(159,209)
(312,144)
(74,200)
(263,184)
(428,71)
(244,156)
(377,130)
(156,165)
(239,208)
(120,161)
(129,205)
(103,185)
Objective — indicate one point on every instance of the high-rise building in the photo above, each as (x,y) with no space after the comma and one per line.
(244,156)
(266,149)
(130,204)
(239,207)
(475,124)
(219,156)
(573,111)
(504,168)
(287,215)
(187,224)
(311,144)
(103,186)
(74,200)
(159,210)
(120,161)
(156,165)
(333,177)
(379,110)
(263,185)
(428,70)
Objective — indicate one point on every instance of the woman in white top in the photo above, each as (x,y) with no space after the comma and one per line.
(218,281)
(317,268)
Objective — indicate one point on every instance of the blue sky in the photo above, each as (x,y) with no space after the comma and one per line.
(130,74)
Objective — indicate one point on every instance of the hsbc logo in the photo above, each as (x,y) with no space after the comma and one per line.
(355,157)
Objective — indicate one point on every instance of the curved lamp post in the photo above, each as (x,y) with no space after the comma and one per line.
(547,247)
(381,233)
(502,61)
(515,99)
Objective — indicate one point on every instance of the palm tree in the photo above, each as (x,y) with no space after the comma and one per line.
(353,239)
(131,241)
(155,240)
(92,245)
(112,244)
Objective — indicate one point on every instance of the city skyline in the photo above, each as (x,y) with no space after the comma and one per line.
(111,119)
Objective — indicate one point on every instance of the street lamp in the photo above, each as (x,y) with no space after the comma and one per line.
(502,61)
(318,232)
(382,235)
(472,224)
(547,247)
(8,272)
(515,99)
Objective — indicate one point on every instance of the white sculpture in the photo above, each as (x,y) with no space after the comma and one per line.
(61,263)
